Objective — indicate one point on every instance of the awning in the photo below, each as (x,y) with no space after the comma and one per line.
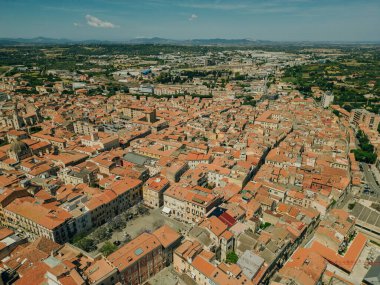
(166,210)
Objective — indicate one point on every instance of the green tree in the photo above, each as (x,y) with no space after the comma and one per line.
(87,244)
(108,248)
(232,257)
(336,113)
(364,156)
(117,223)
(142,210)
(102,233)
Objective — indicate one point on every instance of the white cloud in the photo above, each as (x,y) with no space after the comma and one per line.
(97,23)
(77,24)
(193,17)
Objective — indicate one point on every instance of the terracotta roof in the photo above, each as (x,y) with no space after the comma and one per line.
(166,235)
(136,249)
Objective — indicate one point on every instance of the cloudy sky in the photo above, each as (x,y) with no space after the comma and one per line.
(332,20)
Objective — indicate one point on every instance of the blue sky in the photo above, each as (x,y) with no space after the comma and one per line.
(282,20)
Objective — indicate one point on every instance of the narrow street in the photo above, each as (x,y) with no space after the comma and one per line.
(371,179)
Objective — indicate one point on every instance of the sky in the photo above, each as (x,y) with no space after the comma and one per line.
(277,20)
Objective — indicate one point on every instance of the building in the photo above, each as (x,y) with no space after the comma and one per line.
(78,174)
(117,198)
(18,151)
(170,240)
(38,220)
(303,267)
(194,159)
(86,128)
(138,260)
(136,112)
(327,99)
(153,191)
(335,230)
(366,118)
(191,259)
(189,205)
(100,141)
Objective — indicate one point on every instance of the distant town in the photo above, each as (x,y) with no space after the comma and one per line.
(168,164)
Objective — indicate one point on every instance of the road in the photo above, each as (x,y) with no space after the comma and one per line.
(344,203)
(370,179)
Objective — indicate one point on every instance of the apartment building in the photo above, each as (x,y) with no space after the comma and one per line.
(366,118)
(100,141)
(120,196)
(189,204)
(153,191)
(34,219)
(138,260)
(191,259)
(86,128)
(194,159)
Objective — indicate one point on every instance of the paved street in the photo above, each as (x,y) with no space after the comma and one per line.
(370,179)
(344,203)
(146,223)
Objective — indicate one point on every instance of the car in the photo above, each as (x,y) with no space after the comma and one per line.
(116,242)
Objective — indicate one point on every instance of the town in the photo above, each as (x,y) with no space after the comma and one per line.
(164,164)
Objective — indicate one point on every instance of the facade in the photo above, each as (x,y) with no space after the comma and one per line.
(191,259)
(153,191)
(101,141)
(366,118)
(194,159)
(119,197)
(327,99)
(85,128)
(190,205)
(36,220)
(138,260)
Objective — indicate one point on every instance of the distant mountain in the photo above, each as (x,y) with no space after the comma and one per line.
(154,40)
(238,42)
(217,41)
(163,41)
(44,41)
(38,40)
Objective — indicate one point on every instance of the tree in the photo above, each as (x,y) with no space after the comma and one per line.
(263,226)
(128,215)
(364,156)
(127,237)
(336,113)
(142,210)
(102,233)
(108,248)
(87,244)
(117,223)
(232,257)
(365,153)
